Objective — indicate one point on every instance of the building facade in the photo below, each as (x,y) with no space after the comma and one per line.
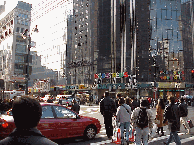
(163,42)
(80,50)
(14,47)
(2,8)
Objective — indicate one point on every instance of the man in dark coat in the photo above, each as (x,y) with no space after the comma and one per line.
(108,109)
(172,115)
(183,114)
(26,112)
(75,107)
(135,103)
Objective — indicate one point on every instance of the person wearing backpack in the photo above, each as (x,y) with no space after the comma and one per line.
(123,117)
(172,116)
(183,114)
(142,120)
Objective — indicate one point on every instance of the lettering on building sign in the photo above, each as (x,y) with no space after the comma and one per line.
(111,75)
(71,87)
(189,85)
(144,85)
(172,75)
(113,86)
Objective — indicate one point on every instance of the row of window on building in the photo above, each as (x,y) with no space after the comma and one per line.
(22,22)
(22,15)
(20,30)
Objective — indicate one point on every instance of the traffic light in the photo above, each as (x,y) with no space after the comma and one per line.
(192,73)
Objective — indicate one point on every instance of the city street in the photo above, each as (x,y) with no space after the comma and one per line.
(101,138)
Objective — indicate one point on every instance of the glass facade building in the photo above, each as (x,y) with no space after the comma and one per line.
(162,39)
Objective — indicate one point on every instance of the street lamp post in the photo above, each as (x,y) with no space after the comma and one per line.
(26,36)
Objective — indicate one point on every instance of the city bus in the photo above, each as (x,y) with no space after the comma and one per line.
(11,94)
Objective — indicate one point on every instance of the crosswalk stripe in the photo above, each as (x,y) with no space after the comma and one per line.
(184,140)
(162,137)
(102,142)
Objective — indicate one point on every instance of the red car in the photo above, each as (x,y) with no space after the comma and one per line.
(56,122)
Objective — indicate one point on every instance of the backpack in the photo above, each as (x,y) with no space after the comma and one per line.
(142,119)
(183,110)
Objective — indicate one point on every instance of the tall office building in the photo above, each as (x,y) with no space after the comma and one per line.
(13,47)
(163,29)
(80,51)
(94,33)
(2,8)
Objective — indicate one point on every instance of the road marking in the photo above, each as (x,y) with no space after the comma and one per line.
(102,142)
(184,140)
(162,137)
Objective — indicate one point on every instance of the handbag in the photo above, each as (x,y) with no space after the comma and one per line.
(126,109)
(157,121)
(190,123)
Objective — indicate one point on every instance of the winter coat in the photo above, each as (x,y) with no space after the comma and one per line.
(122,114)
(28,137)
(183,109)
(172,114)
(134,104)
(159,115)
(75,107)
(117,103)
(135,115)
(107,106)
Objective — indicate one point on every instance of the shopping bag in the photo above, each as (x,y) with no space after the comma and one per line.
(131,134)
(153,131)
(116,135)
(157,121)
(190,123)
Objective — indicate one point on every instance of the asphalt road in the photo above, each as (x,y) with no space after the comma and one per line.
(101,138)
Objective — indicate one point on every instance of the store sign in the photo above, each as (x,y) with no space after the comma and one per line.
(113,86)
(82,87)
(171,85)
(172,75)
(111,75)
(189,85)
(71,87)
(144,85)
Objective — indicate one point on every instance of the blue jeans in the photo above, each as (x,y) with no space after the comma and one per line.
(174,135)
(141,133)
(125,125)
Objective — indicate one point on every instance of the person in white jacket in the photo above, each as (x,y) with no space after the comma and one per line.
(123,117)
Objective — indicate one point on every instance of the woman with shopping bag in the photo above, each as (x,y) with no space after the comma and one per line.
(159,116)
(123,117)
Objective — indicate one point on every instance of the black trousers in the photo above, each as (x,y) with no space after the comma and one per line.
(108,124)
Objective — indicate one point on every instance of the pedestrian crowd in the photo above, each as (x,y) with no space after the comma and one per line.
(131,113)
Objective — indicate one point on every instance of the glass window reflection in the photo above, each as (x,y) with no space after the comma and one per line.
(63,112)
(47,112)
